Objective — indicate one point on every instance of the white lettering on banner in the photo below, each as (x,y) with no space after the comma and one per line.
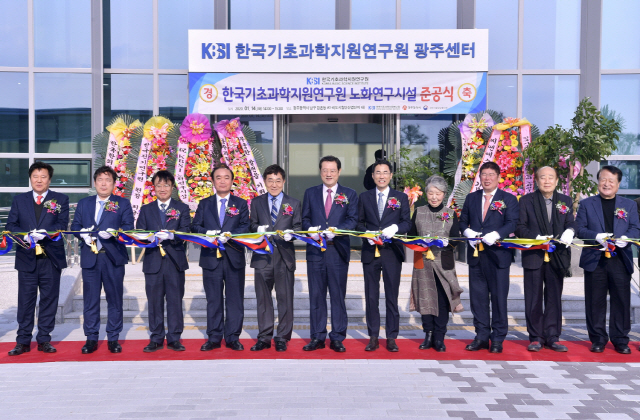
(253,165)
(112,151)
(140,177)
(181,181)
(268,51)
(525,138)
(489,153)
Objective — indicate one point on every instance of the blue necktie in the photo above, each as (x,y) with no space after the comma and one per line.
(100,210)
(274,211)
(163,214)
(221,212)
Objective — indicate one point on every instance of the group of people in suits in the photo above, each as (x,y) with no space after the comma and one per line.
(488,216)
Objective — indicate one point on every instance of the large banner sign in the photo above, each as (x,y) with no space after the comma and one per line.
(360,51)
(372,93)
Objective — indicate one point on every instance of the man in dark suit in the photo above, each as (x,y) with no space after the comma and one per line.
(38,211)
(164,275)
(385,210)
(270,212)
(230,214)
(607,215)
(544,214)
(325,206)
(489,214)
(103,258)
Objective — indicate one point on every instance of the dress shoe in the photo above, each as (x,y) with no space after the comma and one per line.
(152,346)
(476,345)
(114,346)
(89,347)
(337,346)
(19,349)
(496,348)
(428,341)
(261,345)
(373,344)
(281,345)
(210,345)
(439,346)
(235,345)
(622,349)
(556,347)
(176,346)
(392,346)
(597,348)
(314,345)
(46,347)
(535,346)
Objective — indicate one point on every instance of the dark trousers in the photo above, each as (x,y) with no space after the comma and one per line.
(329,273)
(279,275)
(224,278)
(391,268)
(46,277)
(437,324)
(167,283)
(543,285)
(488,283)
(609,276)
(111,277)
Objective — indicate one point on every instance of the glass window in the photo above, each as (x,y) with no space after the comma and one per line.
(430,14)
(303,14)
(630,171)
(252,14)
(131,35)
(175,18)
(549,100)
(262,126)
(373,14)
(620,34)
(70,173)
(551,34)
(174,97)
(14,48)
(501,18)
(130,94)
(503,94)
(63,113)
(14,113)
(16,172)
(420,134)
(62,33)
(620,93)
(5,201)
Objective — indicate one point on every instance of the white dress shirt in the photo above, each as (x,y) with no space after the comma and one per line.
(166,203)
(226,203)
(98,200)
(385,195)
(44,196)
(484,198)
(333,193)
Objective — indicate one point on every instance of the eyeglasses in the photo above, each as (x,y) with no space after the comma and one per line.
(386,173)
(274,181)
(163,186)
(329,171)
(488,175)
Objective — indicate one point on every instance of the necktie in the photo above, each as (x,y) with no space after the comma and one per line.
(380,205)
(274,211)
(327,203)
(163,214)
(39,200)
(100,210)
(222,209)
(487,203)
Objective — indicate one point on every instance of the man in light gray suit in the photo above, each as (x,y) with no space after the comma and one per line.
(271,212)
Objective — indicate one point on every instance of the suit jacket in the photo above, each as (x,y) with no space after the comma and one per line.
(341,216)
(22,218)
(207,218)
(261,215)
(122,218)
(590,222)
(369,219)
(504,222)
(534,221)
(149,219)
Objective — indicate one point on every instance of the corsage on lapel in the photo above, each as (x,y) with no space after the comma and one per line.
(393,203)
(341,199)
(111,206)
(172,214)
(52,206)
(287,210)
(498,205)
(621,214)
(562,207)
(232,211)
(444,217)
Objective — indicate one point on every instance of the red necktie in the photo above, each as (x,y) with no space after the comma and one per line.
(39,200)
(327,203)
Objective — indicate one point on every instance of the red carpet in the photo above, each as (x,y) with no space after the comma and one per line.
(69,351)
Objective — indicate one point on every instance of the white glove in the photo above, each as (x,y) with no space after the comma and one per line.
(602,237)
(224,238)
(468,233)
(35,236)
(491,238)
(210,234)
(567,237)
(445,242)
(87,239)
(105,234)
(213,232)
(262,228)
(622,244)
(287,235)
(371,240)
(164,235)
(544,237)
(144,236)
(390,231)
(314,236)
(328,235)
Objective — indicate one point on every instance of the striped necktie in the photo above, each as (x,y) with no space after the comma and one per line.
(274,211)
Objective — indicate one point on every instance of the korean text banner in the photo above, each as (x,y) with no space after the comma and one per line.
(358,51)
(336,93)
